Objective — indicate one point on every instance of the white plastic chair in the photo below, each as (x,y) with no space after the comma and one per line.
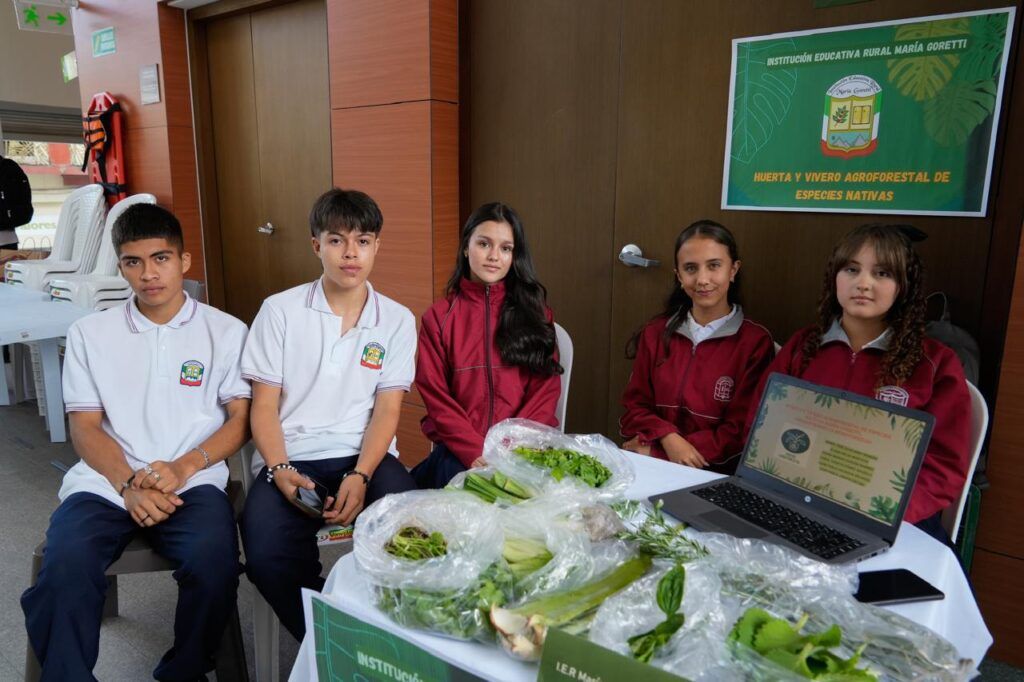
(564,343)
(80,224)
(103,283)
(952,516)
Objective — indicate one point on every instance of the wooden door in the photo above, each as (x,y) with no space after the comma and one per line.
(604,123)
(270,125)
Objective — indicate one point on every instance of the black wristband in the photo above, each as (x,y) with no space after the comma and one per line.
(277,467)
(357,472)
(125,485)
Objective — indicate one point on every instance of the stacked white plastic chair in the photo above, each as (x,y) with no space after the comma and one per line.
(79,229)
(103,287)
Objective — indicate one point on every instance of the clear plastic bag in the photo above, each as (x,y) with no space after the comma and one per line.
(634,611)
(458,482)
(505,436)
(450,594)
(469,526)
(738,574)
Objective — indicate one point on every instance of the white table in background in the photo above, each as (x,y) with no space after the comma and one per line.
(955,618)
(25,318)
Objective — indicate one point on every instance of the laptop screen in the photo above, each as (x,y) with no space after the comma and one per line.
(854,451)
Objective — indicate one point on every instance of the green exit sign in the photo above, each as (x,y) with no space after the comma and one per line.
(104,42)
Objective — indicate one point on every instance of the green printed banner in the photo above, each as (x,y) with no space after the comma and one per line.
(350,650)
(893,117)
(573,659)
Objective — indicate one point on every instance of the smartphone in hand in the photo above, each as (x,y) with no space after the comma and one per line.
(895,586)
(311,501)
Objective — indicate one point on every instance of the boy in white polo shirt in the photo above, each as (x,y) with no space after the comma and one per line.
(329,363)
(156,403)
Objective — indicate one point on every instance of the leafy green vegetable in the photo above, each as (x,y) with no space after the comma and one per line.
(525,556)
(522,630)
(669,598)
(807,655)
(564,463)
(498,487)
(456,613)
(655,535)
(416,544)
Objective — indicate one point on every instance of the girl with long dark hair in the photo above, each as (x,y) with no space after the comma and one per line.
(487,349)
(697,364)
(870,339)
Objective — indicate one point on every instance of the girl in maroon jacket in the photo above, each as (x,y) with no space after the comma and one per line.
(870,339)
(698,364)
(487,350)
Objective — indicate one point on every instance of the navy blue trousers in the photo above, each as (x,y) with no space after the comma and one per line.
(281,554)
(440,467)
(86,535)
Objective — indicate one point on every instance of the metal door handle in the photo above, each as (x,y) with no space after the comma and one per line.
(266,228)
(633,257)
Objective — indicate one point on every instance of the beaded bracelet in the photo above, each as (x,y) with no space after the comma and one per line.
(357,472)
(276,467)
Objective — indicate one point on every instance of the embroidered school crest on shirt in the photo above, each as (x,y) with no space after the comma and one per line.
(373,356)
(893,394)
(723,389)
(191,373)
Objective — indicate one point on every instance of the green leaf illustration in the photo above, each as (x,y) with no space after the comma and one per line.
(899,480)
(769,466)
(752,451)
(923,77)
(826,401)
(981,61)
(763,99)
(776,392)
(883,508)
(960,108)
(912,432)
(852,499)
(867,413)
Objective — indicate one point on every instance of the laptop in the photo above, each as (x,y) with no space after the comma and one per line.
(825,472)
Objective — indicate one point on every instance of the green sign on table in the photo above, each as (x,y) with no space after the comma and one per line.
(104,42)
(347,649)
(573,659)
(893,117)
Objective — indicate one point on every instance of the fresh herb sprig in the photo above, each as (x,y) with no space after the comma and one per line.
(564,463)
(654,535)
(416,544)
(670,598)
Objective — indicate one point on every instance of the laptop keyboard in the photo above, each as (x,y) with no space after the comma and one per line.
(816,538)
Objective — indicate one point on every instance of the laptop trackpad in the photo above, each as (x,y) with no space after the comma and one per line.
(727,523)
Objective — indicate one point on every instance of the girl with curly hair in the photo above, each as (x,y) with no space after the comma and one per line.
(870,339)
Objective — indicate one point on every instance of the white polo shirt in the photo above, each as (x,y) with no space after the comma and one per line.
(161,388)
(328,382)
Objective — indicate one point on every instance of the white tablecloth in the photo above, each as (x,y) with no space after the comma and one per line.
(956,617)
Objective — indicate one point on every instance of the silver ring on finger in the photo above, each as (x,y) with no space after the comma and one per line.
(156,475)
(148,469)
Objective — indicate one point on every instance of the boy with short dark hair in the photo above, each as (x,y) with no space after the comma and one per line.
(156,403)
(329,363)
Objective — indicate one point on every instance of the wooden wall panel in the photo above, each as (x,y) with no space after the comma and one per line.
(444,50)
(1000,594)
(385,152)
(444,173)
(185,195)
(159,146)
(379,51)
(136,30)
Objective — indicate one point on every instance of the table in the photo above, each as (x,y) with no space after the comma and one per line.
(956,617)
(27,318)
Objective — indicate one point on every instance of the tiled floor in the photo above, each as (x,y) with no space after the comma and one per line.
(132,643)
